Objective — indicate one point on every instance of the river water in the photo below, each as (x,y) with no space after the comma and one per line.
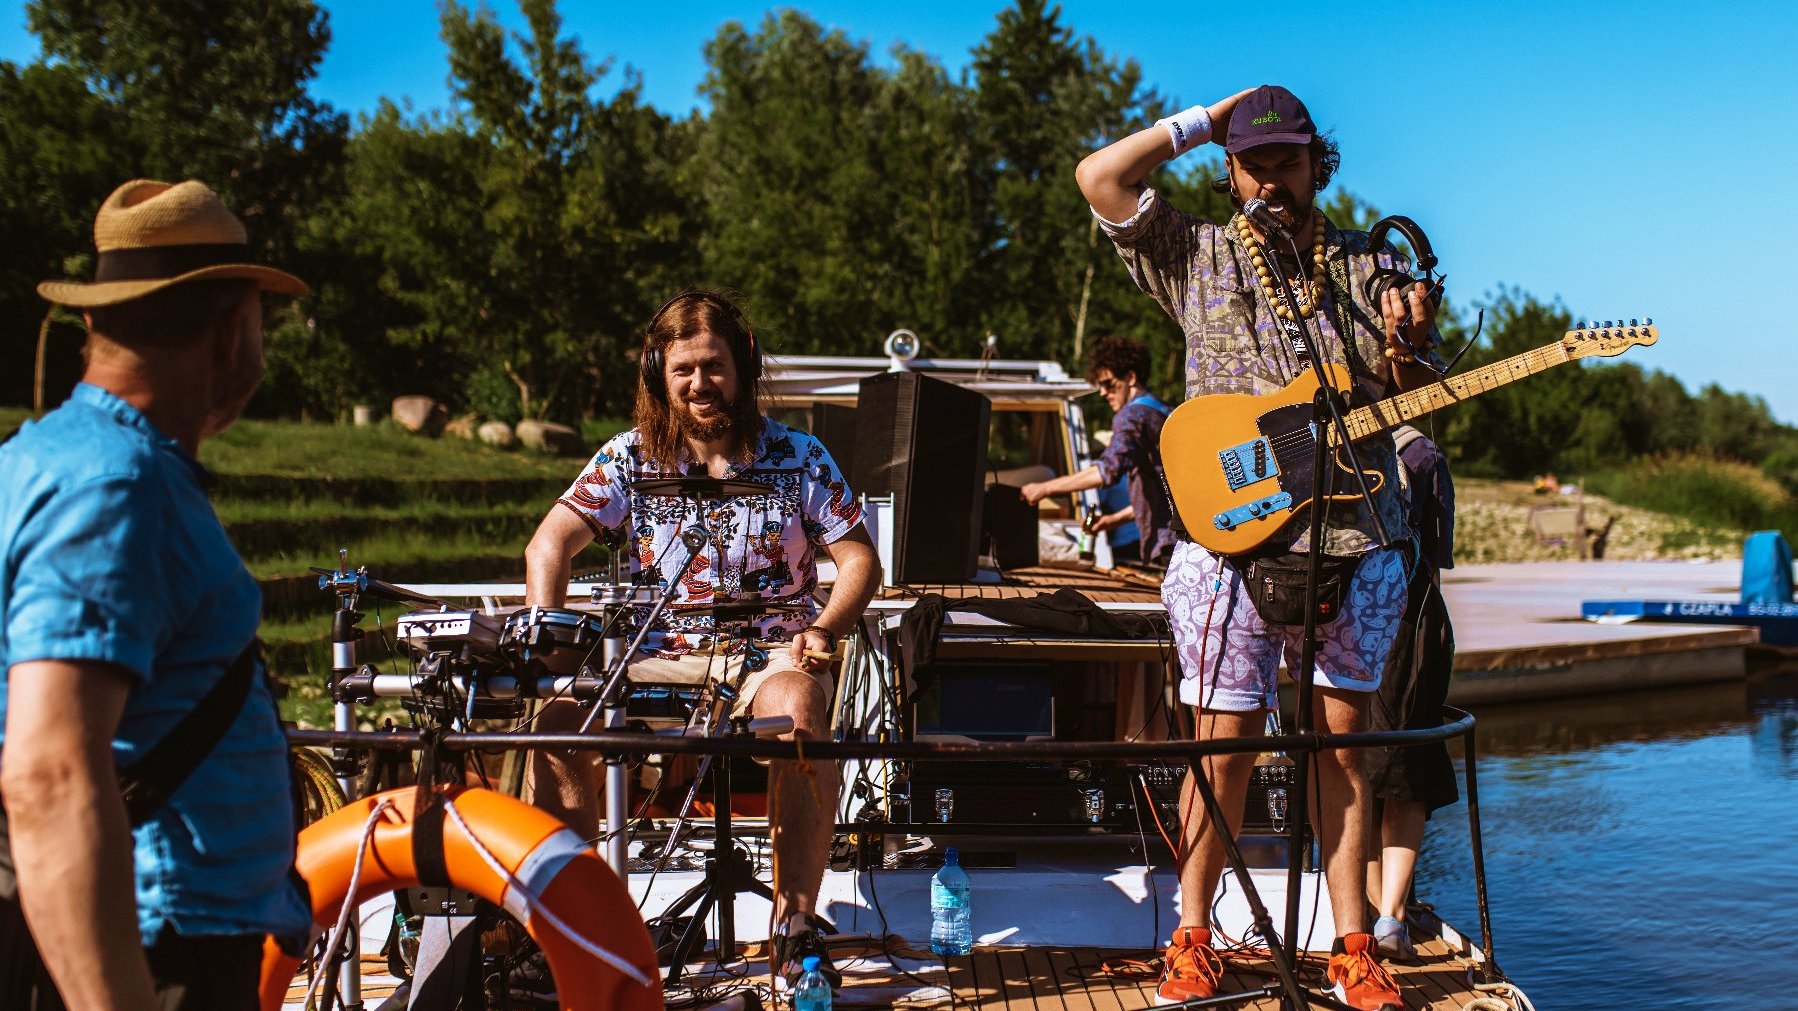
(1641,849)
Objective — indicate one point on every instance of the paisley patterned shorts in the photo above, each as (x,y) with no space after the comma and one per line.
(1229,657)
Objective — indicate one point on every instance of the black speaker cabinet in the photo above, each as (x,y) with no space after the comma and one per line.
(1009,523)
(834,425)
(923,441)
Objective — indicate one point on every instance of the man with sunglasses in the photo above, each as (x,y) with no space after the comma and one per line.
(1120,369)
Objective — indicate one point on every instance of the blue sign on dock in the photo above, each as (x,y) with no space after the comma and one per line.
(1778,622)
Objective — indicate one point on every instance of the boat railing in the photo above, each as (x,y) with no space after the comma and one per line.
(1458,724)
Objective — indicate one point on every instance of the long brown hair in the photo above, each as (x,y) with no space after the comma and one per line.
(687,315)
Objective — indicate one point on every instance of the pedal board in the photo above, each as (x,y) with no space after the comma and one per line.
(1266,804)
(1083,797)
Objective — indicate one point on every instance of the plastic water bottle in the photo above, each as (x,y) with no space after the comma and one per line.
(813,991)
(951,907)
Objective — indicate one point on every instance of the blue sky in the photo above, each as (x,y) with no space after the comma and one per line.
(1630,159)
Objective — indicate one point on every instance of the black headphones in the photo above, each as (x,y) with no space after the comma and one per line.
(654,371)
(1385,278)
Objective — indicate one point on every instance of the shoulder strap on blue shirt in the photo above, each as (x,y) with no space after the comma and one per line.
(1153,403)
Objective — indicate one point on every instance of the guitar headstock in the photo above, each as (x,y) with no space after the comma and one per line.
(1612,337)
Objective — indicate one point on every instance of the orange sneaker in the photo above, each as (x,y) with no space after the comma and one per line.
(1190,970)
(1359,979)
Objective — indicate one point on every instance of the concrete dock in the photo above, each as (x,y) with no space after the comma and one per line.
(1519,634)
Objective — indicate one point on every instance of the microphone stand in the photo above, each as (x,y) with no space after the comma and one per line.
(613,697)
(1326,417)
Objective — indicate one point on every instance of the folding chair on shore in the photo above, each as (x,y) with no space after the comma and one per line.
(1559,525)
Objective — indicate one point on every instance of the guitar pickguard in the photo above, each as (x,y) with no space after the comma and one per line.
(1248,463)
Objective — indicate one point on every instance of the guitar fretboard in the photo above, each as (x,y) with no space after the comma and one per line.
(1365,421)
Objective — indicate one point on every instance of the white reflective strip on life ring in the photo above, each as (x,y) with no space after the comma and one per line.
(538,870)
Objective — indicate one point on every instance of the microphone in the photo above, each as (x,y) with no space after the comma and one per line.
(694,538)
(1256,210)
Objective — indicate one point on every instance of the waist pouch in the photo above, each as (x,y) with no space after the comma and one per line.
(1276,584)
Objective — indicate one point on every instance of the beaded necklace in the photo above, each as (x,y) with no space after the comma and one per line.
(1310,293)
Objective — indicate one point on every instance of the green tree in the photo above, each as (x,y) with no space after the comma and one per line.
(1522,427)
(172,89)
(214,90)
(53,177)
(1044,99)
(574,200)
(936,183)
(391,312)
(799,217)
(1735,425)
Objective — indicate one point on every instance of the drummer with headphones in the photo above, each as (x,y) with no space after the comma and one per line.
(698,412)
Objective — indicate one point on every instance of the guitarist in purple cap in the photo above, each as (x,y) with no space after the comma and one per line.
(1214,279)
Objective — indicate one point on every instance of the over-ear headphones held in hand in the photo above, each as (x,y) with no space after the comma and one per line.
(1386,278)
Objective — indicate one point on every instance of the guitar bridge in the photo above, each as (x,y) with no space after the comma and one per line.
(1248,463)
(1257,510)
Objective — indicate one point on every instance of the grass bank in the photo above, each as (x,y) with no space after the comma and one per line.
(1703,489)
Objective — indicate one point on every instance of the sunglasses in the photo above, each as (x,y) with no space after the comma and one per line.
(1107,385)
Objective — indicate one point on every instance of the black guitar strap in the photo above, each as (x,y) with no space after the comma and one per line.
(148,783)
(1342,302)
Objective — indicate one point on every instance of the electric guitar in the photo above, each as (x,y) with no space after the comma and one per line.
(1239,466)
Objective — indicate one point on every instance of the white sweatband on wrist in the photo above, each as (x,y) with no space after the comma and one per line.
(1188,128)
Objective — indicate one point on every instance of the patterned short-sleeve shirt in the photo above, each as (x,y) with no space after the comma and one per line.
(1199,272)
(761,546)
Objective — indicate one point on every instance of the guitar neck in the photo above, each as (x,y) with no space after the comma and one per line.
(1365,421)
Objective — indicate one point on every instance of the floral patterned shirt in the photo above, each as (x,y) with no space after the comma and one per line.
(763,546)
(1199,272)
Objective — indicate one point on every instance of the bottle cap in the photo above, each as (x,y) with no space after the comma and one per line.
(951,855)
(811,963)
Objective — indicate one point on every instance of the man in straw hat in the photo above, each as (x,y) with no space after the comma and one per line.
(127,620)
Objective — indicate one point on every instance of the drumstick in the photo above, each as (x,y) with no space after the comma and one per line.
(810,654)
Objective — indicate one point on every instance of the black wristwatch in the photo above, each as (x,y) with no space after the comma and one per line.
(830,638)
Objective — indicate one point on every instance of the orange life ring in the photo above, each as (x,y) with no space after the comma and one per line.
(568,879)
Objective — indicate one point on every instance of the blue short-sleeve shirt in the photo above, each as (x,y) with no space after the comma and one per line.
(110,551)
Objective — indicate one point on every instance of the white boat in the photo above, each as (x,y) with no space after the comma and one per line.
(1073,882)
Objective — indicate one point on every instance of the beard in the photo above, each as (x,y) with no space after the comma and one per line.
(1289,210)
(707,429)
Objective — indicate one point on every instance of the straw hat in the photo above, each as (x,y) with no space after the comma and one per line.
(151,235)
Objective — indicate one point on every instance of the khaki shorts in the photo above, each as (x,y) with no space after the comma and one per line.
(700,668)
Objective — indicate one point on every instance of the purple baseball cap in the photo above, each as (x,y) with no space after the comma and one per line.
(1269,115)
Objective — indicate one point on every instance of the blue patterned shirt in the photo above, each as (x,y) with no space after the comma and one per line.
(761,546)
(1135,456)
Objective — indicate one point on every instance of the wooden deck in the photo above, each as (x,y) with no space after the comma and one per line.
(1022,979)
(1123,585)
(1076,979)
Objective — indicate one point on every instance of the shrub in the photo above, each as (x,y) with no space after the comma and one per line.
(1702,488)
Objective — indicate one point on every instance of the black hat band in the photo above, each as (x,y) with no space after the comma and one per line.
(155,263)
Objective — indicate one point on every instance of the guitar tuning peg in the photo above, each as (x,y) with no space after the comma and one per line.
(1607,324)
(1650,321)
(1632,321)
